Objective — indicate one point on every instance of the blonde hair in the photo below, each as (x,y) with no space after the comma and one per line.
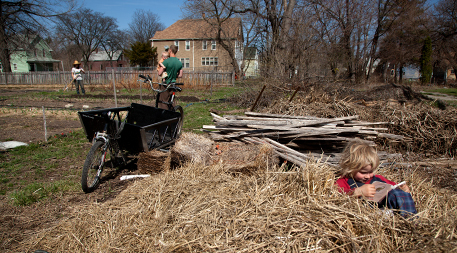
(356,155)
(165,54)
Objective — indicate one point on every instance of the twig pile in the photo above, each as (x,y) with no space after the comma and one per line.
(297,138)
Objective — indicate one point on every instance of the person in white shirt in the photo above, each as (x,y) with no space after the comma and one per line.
(76,74)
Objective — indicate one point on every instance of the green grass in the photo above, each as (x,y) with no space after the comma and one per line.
(450,91)
(198,114)
(35,192)
(24,169)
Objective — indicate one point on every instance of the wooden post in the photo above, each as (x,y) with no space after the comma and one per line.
(141,92)
(293,95)
(260,94)
(114,87)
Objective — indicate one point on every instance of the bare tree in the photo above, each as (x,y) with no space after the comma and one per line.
(87,29)
(143,26)
(113,43)
(445,31)
(402,44)
(21,18)
(272,24)
(218,14)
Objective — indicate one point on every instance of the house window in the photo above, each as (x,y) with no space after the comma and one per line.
(177,44)
(204,45)
(15,66)
(187,45)
(187,65)
(120,65)
(101,66)
(1,67)
(213,45)
(185,62)
(209,61)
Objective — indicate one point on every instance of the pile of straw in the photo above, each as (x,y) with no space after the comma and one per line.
(205,209)
(191,147)
(247,159)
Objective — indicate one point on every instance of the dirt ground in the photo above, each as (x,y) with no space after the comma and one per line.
(19,222)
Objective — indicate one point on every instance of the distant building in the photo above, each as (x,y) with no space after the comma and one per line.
(35,56)
(100,60)
(251,62)
(198,48)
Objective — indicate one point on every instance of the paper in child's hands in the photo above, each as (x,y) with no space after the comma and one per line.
(382,189)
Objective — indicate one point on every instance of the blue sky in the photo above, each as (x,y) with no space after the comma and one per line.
(169,11)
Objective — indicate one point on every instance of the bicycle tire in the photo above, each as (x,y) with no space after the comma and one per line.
(181,120)
(93,167)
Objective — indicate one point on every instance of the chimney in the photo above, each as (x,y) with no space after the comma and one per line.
(203,15)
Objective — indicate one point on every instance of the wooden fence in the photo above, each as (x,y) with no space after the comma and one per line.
(106,77)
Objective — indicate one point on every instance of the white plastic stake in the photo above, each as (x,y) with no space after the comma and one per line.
(45,130)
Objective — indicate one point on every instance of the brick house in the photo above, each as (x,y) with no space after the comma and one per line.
(198,48)
(100,60)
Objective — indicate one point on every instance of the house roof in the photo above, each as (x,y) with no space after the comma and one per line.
(199,29)
(103,56)
(41,60)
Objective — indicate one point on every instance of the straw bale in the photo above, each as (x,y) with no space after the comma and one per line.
(153,162)
(204,209)
(190,147)
(245,158)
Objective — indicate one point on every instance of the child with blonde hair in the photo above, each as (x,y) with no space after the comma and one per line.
(358,163)
(165,56)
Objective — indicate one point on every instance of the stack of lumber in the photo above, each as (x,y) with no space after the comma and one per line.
(298,138)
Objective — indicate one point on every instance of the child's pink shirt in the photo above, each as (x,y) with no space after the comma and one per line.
(342,182)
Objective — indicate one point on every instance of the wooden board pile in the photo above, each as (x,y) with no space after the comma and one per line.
(298,138)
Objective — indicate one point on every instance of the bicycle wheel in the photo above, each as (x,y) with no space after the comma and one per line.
(93,167)
(181,120)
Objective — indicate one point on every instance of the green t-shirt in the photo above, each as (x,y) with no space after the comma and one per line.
(172,67)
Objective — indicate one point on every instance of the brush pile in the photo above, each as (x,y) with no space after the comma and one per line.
(208,209)
(425,127)
(298,138)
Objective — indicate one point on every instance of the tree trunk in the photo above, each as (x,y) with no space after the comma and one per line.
(4,50)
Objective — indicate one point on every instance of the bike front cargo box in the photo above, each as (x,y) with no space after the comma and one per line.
(145,128)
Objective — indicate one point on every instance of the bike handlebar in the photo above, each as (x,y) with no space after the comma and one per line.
(167,86)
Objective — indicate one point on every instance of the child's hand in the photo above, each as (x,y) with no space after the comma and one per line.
(404,188)
(367,190)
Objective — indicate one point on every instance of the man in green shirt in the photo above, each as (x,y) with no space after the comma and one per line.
(172,65)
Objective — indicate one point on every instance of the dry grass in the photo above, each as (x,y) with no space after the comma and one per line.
(206,209)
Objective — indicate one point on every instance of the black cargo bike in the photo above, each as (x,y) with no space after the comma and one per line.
(130,130)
